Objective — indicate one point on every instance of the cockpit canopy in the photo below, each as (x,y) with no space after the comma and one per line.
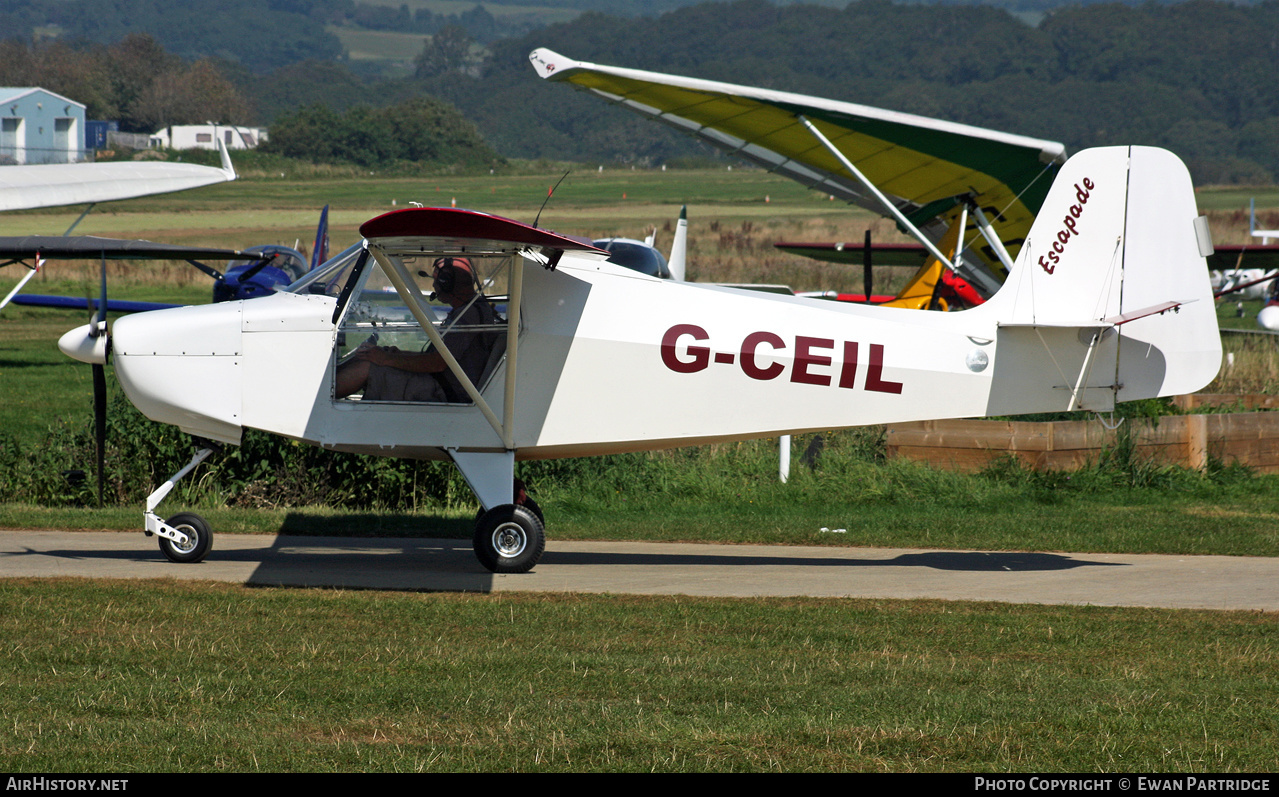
(635,255)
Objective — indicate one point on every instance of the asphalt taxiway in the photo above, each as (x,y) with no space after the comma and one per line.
(644,568)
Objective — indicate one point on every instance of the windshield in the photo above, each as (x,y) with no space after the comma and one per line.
(290,261)
(329,277)
(635,255)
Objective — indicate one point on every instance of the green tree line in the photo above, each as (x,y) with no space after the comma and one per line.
(420,129)
(1196,77)
(135,81)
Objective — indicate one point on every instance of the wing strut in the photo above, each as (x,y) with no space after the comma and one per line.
(25,279)
(875,192)
(992,237)
(76,223)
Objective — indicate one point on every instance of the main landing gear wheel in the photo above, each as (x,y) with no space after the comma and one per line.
(199,539)
(509,539)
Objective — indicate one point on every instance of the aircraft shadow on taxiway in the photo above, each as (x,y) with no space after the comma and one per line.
(422,564)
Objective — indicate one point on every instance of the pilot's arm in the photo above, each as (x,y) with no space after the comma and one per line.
(414,362)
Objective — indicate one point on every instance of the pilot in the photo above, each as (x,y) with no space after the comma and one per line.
(385,373)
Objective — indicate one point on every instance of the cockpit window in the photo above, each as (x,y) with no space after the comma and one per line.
(383,352)
(287,260)
(635,255)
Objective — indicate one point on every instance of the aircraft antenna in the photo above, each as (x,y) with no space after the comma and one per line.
(549,192)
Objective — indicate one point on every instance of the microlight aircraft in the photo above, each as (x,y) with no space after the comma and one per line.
(968,194)
(1108,301)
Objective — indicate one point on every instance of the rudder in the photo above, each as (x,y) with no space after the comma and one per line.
(1111,288)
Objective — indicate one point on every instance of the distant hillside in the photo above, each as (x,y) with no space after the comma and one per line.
(1197,77)
(265,34)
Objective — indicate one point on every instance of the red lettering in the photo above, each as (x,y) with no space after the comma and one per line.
(804,359)
(848,372)
(699,355)
(773,370)
(1069,225)
(875,373)
(811,356)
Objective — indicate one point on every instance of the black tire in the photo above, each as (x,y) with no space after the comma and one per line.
(509,539)
(528,504)
(201,536)
(532,506)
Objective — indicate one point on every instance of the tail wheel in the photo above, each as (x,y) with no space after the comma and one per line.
(509,539)
(199,539)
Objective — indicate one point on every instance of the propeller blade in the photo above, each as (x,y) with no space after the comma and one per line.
(99,323)
(252,271)
(867,275)
(100,423)
(98,329)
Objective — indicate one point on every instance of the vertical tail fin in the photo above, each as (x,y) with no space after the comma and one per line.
(679,247)
(1111,282)
(320,252)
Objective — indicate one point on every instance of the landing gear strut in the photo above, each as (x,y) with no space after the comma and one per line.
(184,538)
(510,534)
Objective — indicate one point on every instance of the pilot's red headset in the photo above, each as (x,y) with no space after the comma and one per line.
(448,270)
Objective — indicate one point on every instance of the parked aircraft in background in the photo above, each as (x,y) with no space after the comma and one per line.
(55,185)
(1266,236)
(933,286)
(58,184)
(252,272)
(644,256)
(587,354)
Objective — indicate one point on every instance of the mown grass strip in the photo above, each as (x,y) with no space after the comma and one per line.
(130,677)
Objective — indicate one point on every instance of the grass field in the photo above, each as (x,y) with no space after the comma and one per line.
(160,676)
(155,676)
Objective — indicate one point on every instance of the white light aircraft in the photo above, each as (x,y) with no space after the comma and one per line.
(1107,301)
(1265,235)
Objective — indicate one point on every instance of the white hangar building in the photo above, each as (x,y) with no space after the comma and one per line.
(38,126)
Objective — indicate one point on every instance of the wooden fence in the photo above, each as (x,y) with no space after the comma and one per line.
(1251,438)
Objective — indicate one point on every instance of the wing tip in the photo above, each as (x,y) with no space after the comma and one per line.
(549,64)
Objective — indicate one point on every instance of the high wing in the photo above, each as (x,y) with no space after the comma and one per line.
(91,247)
(1231,256)
(38,248)
(853,252)
(930,170)
(85,303)
(52,185)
